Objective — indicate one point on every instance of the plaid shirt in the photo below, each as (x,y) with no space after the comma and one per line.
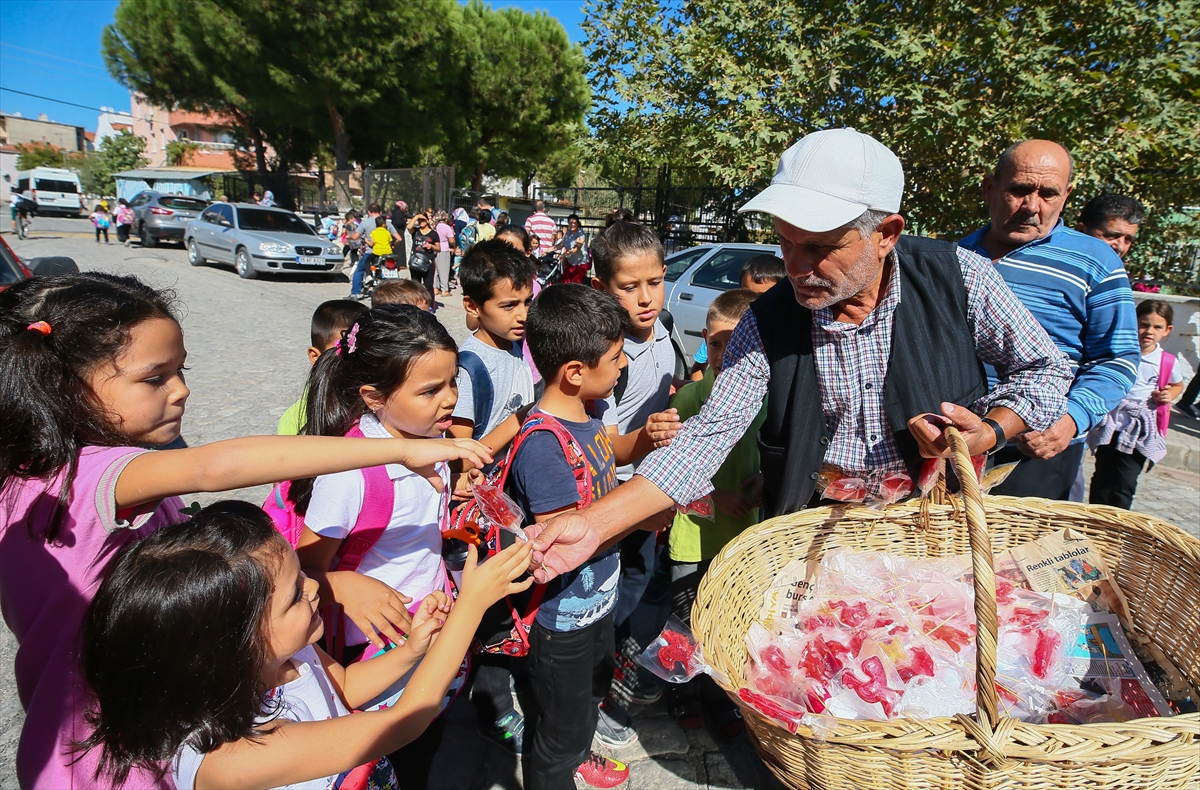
(851,363)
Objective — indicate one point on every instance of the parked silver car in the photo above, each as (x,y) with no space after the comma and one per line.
(259,239)
(695,277)
(158,217)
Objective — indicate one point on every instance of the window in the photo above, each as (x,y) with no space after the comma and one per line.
(55,185)
(679,263)
(210,215)
(272,221)
(182,203)
(225,213)
(23,185)
(140,200)
(723,271)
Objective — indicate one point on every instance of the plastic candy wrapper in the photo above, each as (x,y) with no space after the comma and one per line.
(995,476)
(886,636)
(701,508)
(498,508)
(675,655)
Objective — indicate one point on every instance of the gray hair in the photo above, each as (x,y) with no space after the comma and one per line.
(867,222)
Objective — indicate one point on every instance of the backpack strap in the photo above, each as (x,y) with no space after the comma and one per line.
(1166,367)
(379,499)
(482,393)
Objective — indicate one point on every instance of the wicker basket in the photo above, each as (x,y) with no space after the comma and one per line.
(1157,566)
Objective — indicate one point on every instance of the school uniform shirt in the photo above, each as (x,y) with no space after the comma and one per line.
(408,555)
(484,231)
(310,697)
(512,383)
(541,481)
(651,370)
(1147,378)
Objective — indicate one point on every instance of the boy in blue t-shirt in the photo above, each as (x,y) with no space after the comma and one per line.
(576,336)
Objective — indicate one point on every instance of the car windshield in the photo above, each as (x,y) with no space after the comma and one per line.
(184,203)
(272,221)
(10,270)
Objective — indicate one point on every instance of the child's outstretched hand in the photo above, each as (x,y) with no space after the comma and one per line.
(420,455)
(487,583)
(427,621)
(662,427)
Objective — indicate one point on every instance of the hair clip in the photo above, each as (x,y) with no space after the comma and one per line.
(352,339)
(40,326)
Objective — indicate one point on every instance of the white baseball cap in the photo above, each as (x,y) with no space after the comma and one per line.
(829,178)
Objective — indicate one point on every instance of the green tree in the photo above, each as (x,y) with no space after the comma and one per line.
(291,75)
(33,155)
(118,152)
(947,84)
(179,152)
(521,96)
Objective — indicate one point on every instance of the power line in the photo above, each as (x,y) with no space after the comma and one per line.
(56,57)
(81,106)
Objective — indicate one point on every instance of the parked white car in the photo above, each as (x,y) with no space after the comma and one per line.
(695,277)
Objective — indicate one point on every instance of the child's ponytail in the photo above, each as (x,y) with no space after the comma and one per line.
(375,351)
(54,332)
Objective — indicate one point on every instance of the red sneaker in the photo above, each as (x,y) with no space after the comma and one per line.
(600,771)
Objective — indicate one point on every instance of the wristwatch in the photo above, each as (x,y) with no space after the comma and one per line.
(1001,439)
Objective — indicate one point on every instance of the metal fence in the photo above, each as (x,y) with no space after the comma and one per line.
(419,187)
(683,216)
(1175,264)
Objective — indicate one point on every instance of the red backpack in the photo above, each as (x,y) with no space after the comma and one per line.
(468,518)
(379,495)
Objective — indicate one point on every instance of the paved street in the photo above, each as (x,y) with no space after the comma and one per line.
(246,343)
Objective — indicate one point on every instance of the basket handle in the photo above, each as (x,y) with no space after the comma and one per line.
(986,700)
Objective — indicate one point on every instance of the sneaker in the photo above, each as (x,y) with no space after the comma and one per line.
(600,771)
(1189,409)
(614,727)
(508,732)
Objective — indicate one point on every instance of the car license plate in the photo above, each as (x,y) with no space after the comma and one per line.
(308,260)
(391,274)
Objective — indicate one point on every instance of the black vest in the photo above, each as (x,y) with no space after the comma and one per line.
(933,360)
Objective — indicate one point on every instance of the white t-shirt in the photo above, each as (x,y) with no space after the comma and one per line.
(1147,379)
(310,697)
(408,555)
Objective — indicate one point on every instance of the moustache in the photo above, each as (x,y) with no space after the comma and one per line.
(1025,219)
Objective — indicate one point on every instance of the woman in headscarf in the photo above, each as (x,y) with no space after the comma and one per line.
(268,199)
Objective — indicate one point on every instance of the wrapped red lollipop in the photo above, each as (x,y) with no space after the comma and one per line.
(499,508)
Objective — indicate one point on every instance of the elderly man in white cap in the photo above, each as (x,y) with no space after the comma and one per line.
(874,341)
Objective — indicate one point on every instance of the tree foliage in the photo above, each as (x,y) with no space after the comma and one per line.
(31,155)
(522,94)
(381,83)
(947,84)
(117,152)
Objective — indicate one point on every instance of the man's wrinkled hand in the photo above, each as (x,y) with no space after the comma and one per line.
(927,430)
(1046,444)
(560,545)
(732,504)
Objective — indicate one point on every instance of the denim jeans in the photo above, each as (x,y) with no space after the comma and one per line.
(569,674)
(363,264)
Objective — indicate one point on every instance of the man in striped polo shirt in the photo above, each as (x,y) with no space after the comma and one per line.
(542,225)
(1076,287)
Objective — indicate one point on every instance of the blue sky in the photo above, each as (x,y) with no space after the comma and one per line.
(52,48)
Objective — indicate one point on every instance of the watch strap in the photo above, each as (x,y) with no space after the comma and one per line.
(1001,439)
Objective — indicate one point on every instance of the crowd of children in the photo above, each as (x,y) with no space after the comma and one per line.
(227,647)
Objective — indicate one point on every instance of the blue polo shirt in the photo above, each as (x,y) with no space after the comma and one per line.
(1077,289)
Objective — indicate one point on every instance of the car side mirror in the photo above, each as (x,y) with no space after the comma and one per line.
(53,264)
(224,223)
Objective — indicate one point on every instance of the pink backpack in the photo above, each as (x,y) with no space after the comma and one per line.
(1165,367)
(379,497)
